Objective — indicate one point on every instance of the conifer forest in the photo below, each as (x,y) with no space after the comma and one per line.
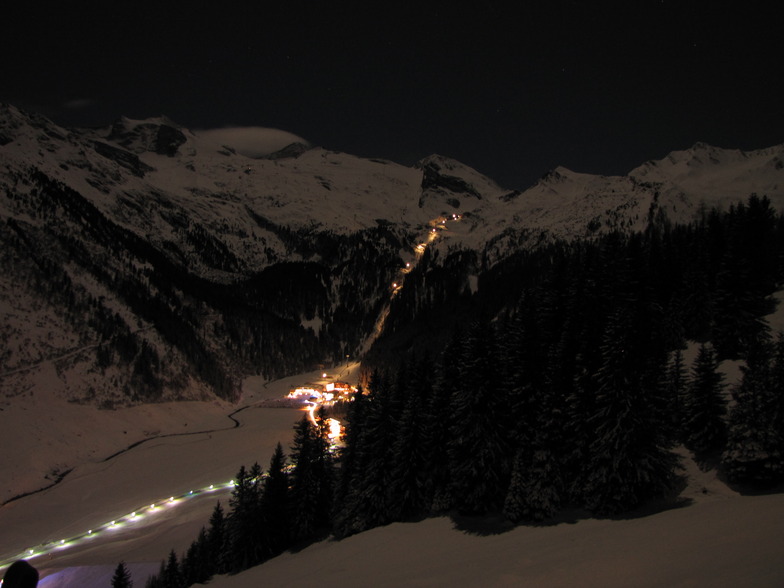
(560,389)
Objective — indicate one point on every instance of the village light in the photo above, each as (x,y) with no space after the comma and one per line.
(334,429)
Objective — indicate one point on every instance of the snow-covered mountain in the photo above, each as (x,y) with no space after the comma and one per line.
(143,261)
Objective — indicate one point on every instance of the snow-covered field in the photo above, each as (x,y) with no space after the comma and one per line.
(97,492)
(720,541)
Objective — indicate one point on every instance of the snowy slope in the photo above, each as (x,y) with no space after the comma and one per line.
(122,168)
(87,212)
(720,543)
(189,446)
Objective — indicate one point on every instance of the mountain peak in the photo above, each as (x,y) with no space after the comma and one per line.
(290,151)
(557,174)
(438,162)
(159,135)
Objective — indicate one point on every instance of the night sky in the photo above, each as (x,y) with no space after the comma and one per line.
(597,87)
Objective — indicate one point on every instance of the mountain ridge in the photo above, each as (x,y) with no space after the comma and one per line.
(184,265)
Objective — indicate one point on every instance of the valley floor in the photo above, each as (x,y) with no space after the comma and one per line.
(719,538)
(96,492)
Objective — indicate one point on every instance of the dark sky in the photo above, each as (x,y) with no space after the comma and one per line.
(595,86)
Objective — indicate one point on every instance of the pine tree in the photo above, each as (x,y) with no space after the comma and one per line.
(195,564)
(754,453)
(275,508)
(244,527)
(676,385)
(216,542)
(121,577)
(705,407)
(777,394)
(172,577)
(407,466)
(436,433)
(311,480)
(157,580)
(479,454)
(367,504)
(535,492)
(524,356)
(348,462)
(629,459)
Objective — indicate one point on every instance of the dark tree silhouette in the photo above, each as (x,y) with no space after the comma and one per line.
(479,452)
(311,480)
(275,507)
(705,407)
(122,577)
(754,451)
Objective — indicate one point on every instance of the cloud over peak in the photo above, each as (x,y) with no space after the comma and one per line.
(252,141)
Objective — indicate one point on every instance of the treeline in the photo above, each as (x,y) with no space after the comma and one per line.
(710,280)
(575,394)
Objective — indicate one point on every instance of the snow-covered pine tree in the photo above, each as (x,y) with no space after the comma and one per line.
(676,390)
(535,492)
(705,407)
(367,502)
(436,433)
(630,459)
(479,453)
(407,466)
(753,452)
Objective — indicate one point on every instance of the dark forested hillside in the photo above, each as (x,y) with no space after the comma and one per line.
(575,393)
(149,327)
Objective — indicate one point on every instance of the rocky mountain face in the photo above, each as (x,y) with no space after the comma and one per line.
(141,262)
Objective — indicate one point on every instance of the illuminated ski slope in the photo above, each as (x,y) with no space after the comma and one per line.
(146,501)
(132,520)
